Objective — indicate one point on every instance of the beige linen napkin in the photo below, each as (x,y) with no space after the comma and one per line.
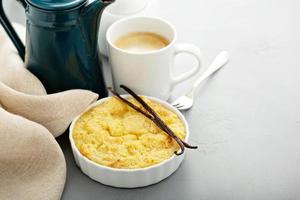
(32,165)
(54,111)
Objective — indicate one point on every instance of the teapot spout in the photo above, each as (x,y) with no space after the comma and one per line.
(90,21)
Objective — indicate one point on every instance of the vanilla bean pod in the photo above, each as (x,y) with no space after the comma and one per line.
(159,122)
(131,104)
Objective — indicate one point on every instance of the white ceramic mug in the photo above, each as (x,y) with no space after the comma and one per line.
(148,73)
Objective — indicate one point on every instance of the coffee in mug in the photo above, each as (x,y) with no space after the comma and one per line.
(142,53)
(142,42)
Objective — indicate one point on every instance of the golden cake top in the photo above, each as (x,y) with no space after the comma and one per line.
(114,135)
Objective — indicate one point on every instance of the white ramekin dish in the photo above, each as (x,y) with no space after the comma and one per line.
(128,178)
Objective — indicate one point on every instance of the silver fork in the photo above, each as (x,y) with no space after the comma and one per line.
(186,102)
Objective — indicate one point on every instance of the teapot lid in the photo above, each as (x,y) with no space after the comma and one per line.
(55,5)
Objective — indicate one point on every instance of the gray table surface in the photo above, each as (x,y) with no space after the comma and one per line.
(246,119)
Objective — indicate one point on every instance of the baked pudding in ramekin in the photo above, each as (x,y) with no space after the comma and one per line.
(117,146)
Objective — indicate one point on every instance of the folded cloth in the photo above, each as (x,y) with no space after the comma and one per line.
(32,165)
(54,111)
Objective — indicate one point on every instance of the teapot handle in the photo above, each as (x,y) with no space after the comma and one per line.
(11,31)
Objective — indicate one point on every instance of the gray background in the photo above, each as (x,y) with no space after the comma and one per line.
(246,119)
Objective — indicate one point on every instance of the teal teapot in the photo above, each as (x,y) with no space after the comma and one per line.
(61,43)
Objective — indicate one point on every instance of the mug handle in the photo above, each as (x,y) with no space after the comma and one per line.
(190,49)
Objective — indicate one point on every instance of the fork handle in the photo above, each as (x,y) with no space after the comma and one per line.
(221,59)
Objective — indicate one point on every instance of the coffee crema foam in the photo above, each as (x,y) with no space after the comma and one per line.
(142,42)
